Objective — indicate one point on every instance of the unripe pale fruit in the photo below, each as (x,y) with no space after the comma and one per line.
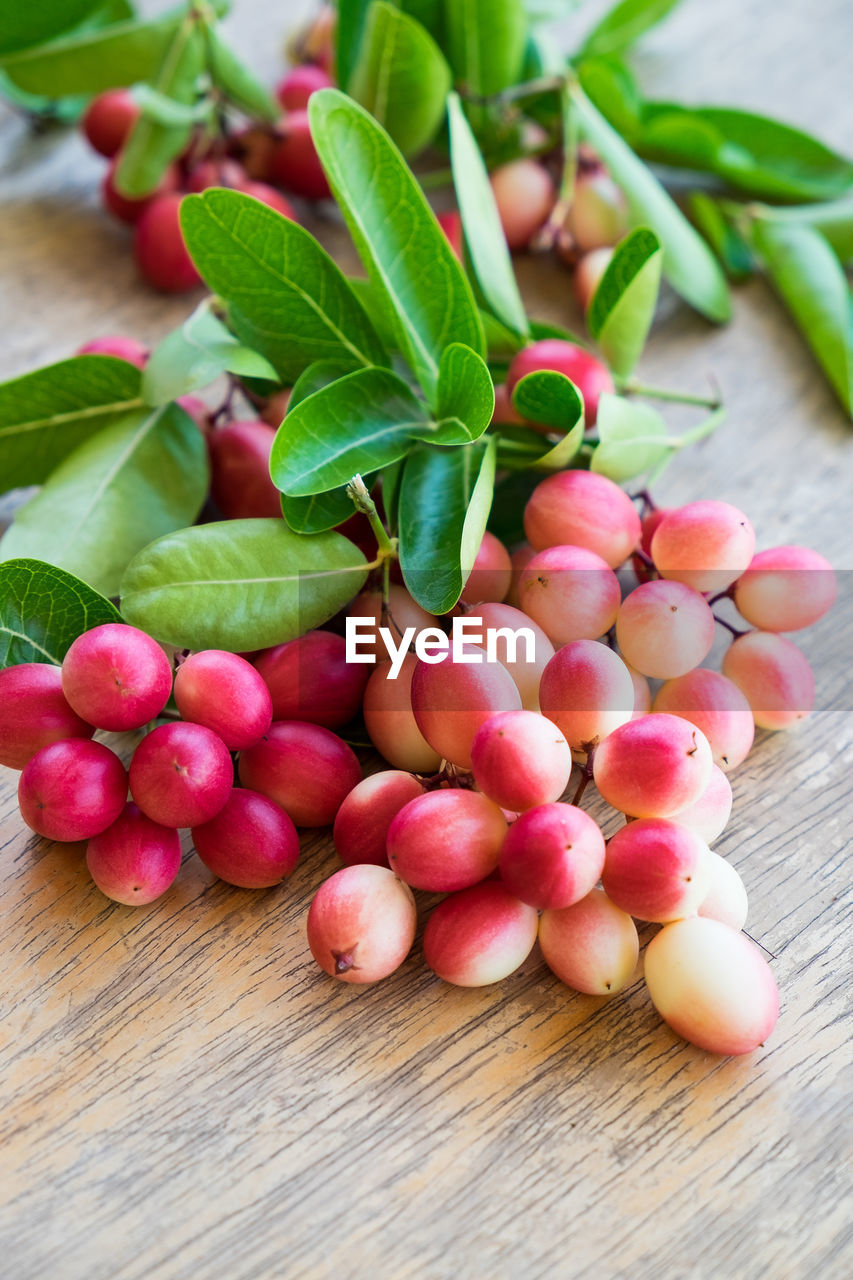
(251,842)
(552,856)
(598,216)
(310,679)
(116,677)
(130,209)
(240,470)
(589,375)
(526,671)
(361,923)
(72,790)
(712,985)
(181,775)
(774,676)
(706,545)
(592,946)
(572,593)
(446,840)
(109,119)
(716,706)
(725,898)
(268,195)
(452,699)
(116,344)
(34,712)
(664,629)
(656,870)
(708,815)
(588,273)
(587,691)
(491,575)
(402,612)
(135,860)
(786,589)
(390,721)
(582,509)
(306,769)
(479,936)
(520,760)
(361,826)
(225,693)
(294,90)
(159,249)
(525,194)
(294,163)
(653,767)
(642,693)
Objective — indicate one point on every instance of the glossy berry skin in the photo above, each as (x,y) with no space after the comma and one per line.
(582,509)
(116,677)
(225,693)
(716,706)
(491,575)
(294,90)
(72,790)
(306,769)
(653,767)
(240,482)
(34,712)
(310,679)
(119,346)
(109,119)
(250,843)
(479,936)
(712,985)
(520,760)
(552,856)
(216,172)
(725,898)
(130,209)
(706,545)
(708,815)
(774,676)
(159,249)
(135,860)
(525,194)
(361,826)
(656,870)
(664,629)
(181,775)
(587,691)
(294,163)
(451,700)
(571,592)
(446,840)
(390,721)
(591,946)
(361,924)
(589,375)
(786,589)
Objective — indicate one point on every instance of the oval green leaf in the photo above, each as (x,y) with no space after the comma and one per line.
(486,42)
(194,355)
(43,610)
(236,81)
(622,25)
(466,396)
(633,438)
(622,308)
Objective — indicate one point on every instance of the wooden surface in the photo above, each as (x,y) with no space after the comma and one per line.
(185,1095)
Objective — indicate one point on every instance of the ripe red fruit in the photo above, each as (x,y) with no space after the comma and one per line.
(116,677)
(306,769)
(251,842)
(361,923)
(117,345)
(552,856)
(589,375)
(300,82)
(716,706)
(452,699)
(294,163)
(240,470)
(135,860)
(225,693)
(491,575)
(109,119)
(72,790)
(656,870)
(34,712)
(582,509)
(653,767)
(129,208)
(310,679)
(451,225)
(520,760)
(446,840)
(479,936)
(587,691)
(361,826)
(271,198)
(181,775)
(216,173)
(159,248)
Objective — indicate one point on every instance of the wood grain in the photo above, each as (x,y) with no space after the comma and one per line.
(185,1095)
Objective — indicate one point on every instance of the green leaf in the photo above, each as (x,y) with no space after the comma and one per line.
(46,414)
(236,81)
(318,375)
(481,222)
(540,329)
(89,62)
(429,13)
(552,399)
(833,219)
(724,238)
(239,584)
(194,355)
(466,396)
(445,496)
(621,310)
(486,41)
(143,476)
(611,87)
(286,298)
(396,234)
(506,519)
(349,33)
(163,110)
(689,265)
(317,512)
(501,342)
(624,24)
(811,282)
(633,438)
(401,77)
(43,610)
(25,25)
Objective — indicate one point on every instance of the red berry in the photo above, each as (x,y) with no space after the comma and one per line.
(159,248)
(181,775)
(128,208)
(34,712)
(251,842)
(116,345)
(116,677)
(225,693)
(135,860)
(306,769)
(294,163)
(588,374)
(240,470)
(109,119)
(72,790)
(300,82)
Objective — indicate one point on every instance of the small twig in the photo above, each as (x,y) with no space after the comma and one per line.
(728,626)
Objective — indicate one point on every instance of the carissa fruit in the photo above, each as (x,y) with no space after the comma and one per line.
(479,936)
(446,840)
(72,790)
(135,860)
(361,924)
(306,769)
(34,712)
(251,842)
(592,946)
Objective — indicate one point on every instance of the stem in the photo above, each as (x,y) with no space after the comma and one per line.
(546,237)
(586,772)
(643,495)
(728,626)
(436,179)
(357,491)
(528,89)
(728,594)
(631,388)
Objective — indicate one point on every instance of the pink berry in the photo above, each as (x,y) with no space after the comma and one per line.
(361,923)
(786,589)
(446,840)
(598,216)
(34,712)
(716,706)
(181,775)
(592,946)
(310,679)
(294,163)
(225,693)
(294,90)
(306,769)
(525,194)
(653,767)
(251,842)
(520,760)
(552,856)
(72,790)
(656,870)
(502,623)
(712,985)
(708,815)
(572,593)
(774,676)
(725,898)
(131,208)
(452,699)
(706,545)
(240,484)
(116,677)
(119,346)
(109,119)
(451,225)
(361,826)
(588,273)
(135,860)
(491,575)
(216,172)
(479,936)
(585,510)
(588,374)
(664,629)
(159,248)
(648,524)
(587,691)
(390,720)
(271,198)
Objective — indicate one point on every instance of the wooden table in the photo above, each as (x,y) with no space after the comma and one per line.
(185,1095)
